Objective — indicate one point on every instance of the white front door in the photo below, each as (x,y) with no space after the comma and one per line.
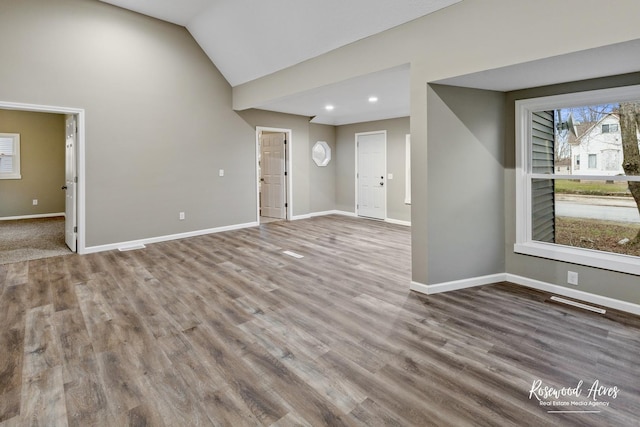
(372,169)
(70,223)
(272,175)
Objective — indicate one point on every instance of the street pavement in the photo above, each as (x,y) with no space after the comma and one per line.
(620,209)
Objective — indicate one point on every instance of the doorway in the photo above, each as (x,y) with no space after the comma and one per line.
(272,172)
(74,169)
(371,172)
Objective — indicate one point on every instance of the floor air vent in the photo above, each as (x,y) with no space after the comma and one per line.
(578,304)
(293,254)
(131,248)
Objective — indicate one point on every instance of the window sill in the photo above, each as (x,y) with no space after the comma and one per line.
(7,176)
(605,260)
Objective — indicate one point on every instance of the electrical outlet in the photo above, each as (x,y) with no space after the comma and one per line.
(35,202)
(572,278)
(181,216)
(221,172)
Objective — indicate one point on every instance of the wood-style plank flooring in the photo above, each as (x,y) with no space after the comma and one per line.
(227,330)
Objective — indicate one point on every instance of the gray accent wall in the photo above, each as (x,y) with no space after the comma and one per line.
(593,280)
(42,149)
(464,183)
(322,179)
(159,123)
(397,129)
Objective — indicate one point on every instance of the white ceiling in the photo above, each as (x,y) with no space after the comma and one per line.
(604,61)
(351,99)
(248,39)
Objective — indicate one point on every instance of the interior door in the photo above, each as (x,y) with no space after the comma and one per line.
(272,179)
(70,187)
(372,168)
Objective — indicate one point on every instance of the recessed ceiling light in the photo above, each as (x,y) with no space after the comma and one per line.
(329,107)
(373,99)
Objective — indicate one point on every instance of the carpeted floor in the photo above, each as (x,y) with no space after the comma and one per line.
(27,239)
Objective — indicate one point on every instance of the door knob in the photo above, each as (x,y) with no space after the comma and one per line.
(64,187)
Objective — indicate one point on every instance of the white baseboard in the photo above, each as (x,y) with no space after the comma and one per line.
(345,213)
(49,215)
(299,217)
(332,212)
(323,213)
(134,243)
(530,283)
(457,284)
(398,221)
(574,293)
(353,214)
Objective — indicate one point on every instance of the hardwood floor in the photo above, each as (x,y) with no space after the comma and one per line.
(227,330)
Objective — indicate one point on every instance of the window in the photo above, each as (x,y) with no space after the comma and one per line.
(9,156)
(579,216)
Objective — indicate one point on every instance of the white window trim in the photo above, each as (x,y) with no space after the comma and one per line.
(16,156)
(407,166)
(524,243)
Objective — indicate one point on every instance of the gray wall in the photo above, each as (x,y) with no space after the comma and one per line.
(42,156)
(596,281)
(465,191)
(322,179)
(397,129)
(159,122)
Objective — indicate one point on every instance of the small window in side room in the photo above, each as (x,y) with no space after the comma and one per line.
(10,156)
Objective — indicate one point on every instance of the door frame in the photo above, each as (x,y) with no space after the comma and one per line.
(70,182)
(79,159)
(287,169)
(384,132)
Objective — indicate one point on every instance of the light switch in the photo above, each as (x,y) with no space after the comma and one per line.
(221,172)
(390,176)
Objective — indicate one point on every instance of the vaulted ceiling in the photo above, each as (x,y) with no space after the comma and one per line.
(248,39)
